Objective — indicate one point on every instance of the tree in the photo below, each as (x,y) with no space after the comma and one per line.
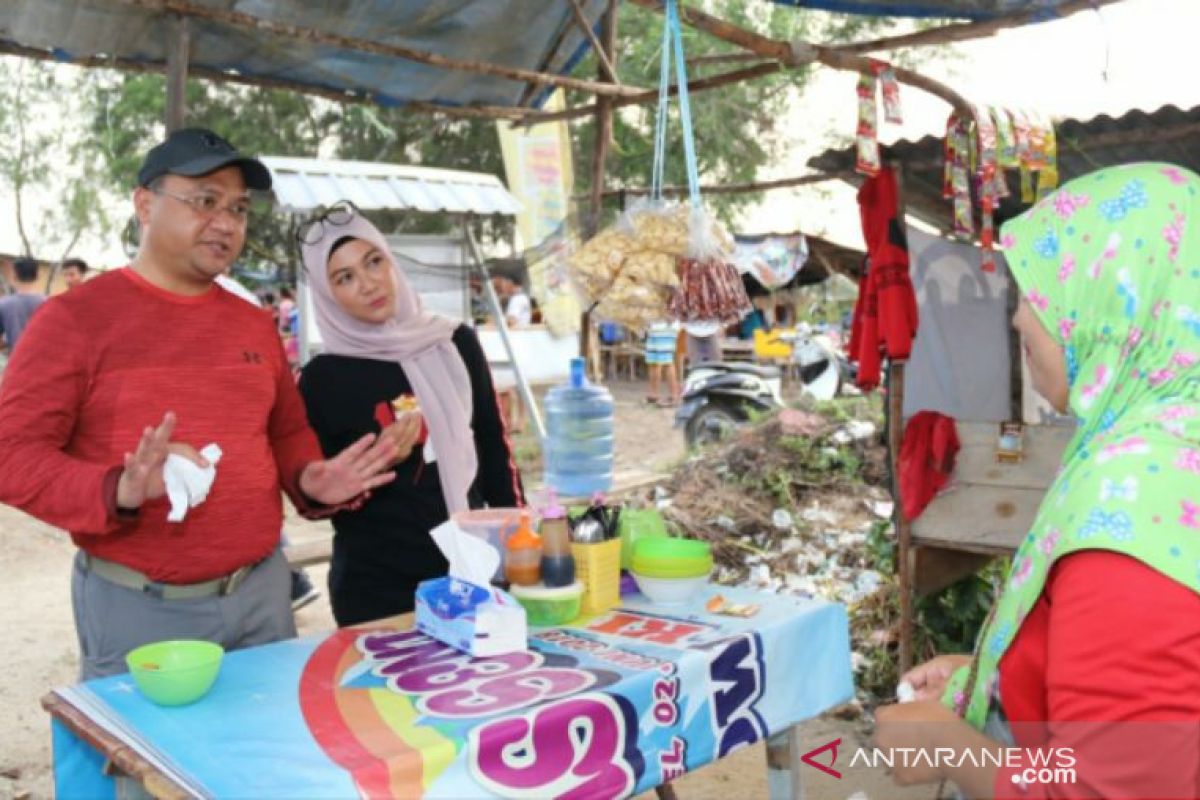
(39,154)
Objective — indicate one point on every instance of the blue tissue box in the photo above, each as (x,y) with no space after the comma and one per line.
(479,620)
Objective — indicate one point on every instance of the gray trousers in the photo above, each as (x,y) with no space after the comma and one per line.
(111,620)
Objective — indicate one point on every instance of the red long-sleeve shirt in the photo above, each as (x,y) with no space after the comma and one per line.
(885,317)
(1107,663)
(103,361)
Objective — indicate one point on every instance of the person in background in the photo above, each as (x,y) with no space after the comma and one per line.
(756,320)
(288,315)
(417,379)
(518,308)
(518,313)
(660,363)
(17,309)
(703,342)
(74,272)
(1093,647)
(154,360)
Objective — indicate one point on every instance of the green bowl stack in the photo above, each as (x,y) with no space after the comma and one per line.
(669,557)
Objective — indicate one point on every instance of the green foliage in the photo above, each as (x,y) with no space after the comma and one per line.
(948,621)
(126,112)
(737,127)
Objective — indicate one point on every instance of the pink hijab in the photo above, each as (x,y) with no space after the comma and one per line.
(419,341)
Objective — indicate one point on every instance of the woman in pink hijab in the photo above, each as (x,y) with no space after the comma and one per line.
(390,367)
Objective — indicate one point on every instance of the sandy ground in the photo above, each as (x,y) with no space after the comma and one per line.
(41,651)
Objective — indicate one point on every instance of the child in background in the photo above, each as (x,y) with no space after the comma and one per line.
(660,361)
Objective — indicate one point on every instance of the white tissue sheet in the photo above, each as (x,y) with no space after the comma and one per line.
(188,483)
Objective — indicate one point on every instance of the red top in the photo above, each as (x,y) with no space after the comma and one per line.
(885,316)
(1109,639)
(100,363)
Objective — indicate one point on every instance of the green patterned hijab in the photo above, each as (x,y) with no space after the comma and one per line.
(1110,263)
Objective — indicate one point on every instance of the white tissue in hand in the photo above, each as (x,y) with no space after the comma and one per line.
(188,483)
(905,693)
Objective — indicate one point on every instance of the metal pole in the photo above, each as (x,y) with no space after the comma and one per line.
(502,326)
(177,69)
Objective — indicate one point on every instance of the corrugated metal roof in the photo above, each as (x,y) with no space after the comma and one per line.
(966,9)
(303,184)
(1169,134)
(529,34)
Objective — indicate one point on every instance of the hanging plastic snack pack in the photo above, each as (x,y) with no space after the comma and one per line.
(710,288)
(866,135)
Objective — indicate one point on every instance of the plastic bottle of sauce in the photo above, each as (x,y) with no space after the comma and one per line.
(558,565)
(523,555)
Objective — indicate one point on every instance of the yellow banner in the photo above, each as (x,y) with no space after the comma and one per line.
(537,163)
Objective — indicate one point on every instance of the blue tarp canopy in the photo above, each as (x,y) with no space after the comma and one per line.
(536,35)
(229,41)
(962,9)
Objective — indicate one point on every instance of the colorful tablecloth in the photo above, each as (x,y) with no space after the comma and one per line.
(608,706)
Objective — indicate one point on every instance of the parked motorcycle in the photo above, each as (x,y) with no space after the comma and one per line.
(720,396)
(823,370)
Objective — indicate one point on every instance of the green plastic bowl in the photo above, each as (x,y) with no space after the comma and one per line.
(670,557)
(636,524)
(175,673)
(545,606)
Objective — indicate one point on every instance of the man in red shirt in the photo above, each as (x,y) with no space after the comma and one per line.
(152,360)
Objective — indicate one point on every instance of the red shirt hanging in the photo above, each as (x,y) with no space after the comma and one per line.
(885,317)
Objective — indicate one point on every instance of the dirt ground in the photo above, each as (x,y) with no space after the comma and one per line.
(35,617)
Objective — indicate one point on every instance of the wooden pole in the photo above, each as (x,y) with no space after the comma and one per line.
(177,73)
(895,430)
(243,21)
(698,85)
(606,66)
(905,558)
(604,133)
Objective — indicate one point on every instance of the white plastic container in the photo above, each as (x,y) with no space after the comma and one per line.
(669,591)
(493,525)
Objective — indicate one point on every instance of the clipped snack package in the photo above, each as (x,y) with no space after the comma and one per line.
(710,287)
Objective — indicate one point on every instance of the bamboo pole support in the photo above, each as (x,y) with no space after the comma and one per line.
(177,73)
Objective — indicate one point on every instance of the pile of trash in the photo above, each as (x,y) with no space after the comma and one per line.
(798,505)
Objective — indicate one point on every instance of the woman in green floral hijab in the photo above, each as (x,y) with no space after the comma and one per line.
(1099,620)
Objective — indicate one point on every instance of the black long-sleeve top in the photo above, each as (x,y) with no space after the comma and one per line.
(388,537)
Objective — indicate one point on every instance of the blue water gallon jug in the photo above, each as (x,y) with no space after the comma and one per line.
(578,452)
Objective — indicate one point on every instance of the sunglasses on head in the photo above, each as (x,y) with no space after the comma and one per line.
(313,229)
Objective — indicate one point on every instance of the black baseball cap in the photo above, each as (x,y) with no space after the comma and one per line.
(193,152)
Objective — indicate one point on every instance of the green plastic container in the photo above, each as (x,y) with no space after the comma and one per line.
(636,524)
(175,673)
(546,606)
(671,557)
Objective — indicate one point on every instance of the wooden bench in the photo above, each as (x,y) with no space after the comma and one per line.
(990,507)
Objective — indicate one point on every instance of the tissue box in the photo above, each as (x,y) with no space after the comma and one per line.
(478,620)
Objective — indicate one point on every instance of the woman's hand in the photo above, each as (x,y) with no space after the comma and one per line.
(356,470)
(404,433)
(929,679)
(923,726)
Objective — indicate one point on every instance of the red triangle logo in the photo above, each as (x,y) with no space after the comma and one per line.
(808,757)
